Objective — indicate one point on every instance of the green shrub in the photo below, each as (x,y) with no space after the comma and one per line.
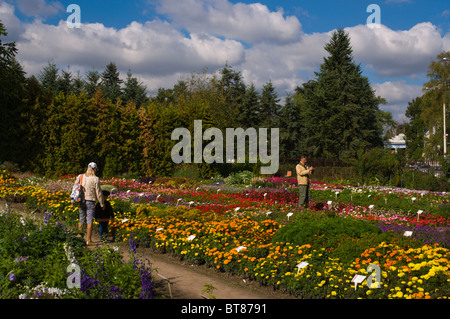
(378,165)
(244,177)
(304,231)
(175,181)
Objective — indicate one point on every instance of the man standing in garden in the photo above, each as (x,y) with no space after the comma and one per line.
(303,177)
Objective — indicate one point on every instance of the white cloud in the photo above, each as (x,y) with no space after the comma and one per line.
(153,48)
(159,53)
(252,23)
(396,53)
(398,91)
(39,8)
(285,65)
(13,25)
(397,94)
(446,42)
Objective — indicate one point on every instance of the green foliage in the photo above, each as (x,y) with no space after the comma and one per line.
(34,260)
(414,130)
(242,178)
(377,164)
(67,121)
(304,230)
(341,113)
(422,181)
(176,181)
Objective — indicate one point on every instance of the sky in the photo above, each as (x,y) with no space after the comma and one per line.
(163,41)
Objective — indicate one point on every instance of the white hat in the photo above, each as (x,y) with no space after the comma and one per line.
(93,165)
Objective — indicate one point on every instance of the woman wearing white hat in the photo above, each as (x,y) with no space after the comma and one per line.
(90,184)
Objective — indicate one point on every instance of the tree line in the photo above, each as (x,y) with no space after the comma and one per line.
(56,123)
(425,130)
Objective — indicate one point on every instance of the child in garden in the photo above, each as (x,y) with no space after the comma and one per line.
(104,216)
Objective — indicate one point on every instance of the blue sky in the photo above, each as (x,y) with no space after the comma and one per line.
(162,41)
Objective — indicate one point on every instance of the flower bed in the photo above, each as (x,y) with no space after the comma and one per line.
(234,232)
(34,260)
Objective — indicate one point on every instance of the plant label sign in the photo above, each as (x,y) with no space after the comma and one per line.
(419,212)
(408,233)
(357,279)
(191,237)
(301,265)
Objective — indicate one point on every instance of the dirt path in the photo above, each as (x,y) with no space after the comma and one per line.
(187,281)
(182,280)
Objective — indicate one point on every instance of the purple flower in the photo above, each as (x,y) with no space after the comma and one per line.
(47,218)
(12,277)
(132,245)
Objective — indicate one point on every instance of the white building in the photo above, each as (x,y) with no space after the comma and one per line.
(397,142)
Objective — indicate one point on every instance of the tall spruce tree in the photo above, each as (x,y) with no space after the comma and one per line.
(92,82)
(134,91)
(49,79)
(292,126)
(269,106)
(111,83)
(342,113)
(249,109)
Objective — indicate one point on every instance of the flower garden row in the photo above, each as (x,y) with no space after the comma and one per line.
(38,255)
(257,233)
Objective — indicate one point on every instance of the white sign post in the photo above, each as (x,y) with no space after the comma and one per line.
(408,233)
(301,265)
(419,212)
(238,249)
(358,279)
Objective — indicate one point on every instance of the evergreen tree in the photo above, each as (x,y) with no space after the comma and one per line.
(127,141)
(34,117)
(111,83)
(342,115)
(92,82)
(64,82)
(134,91)
(49,79)
(269,107)
(12,92)
(414,131)
(106,133)
(231,85)
(292,126)
(78,84)
(249,109)
(68,132)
